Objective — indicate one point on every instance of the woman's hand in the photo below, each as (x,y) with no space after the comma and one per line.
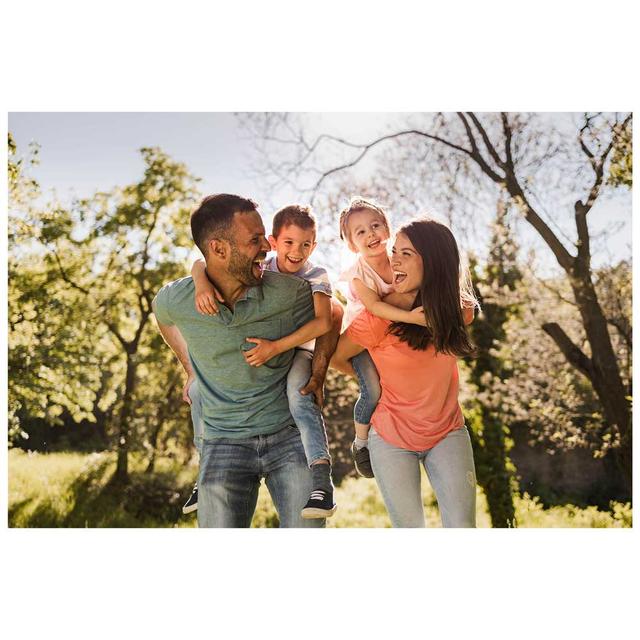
(263,351)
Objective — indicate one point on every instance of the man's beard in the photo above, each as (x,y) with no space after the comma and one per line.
(241,267)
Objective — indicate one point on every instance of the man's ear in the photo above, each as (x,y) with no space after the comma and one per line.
(313,247)
(219,249)
(272,242)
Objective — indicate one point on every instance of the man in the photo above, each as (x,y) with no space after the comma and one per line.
(248,430)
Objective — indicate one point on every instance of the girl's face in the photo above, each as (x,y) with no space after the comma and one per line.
(407,265)
(367,233)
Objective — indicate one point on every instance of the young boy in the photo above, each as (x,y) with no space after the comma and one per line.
(293,239)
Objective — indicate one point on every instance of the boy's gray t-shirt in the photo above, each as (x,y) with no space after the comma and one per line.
(315,275)
(239,400)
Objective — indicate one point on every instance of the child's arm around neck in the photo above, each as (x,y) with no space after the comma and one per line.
(372,303)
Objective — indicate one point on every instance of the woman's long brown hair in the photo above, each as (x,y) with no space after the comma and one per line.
(440,293)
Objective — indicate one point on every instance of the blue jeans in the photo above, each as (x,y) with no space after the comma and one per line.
(230,474)
(306,413)
(369,381)
(196,415)
(449,466)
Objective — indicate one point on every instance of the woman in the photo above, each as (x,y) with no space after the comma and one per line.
(418,419)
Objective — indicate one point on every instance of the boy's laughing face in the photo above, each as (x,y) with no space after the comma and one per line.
(293,247)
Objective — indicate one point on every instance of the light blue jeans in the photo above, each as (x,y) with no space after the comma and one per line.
(306,413)
(369,381)
(450,469)
(230,474)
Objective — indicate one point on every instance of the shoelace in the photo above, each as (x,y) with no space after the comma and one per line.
(317,495)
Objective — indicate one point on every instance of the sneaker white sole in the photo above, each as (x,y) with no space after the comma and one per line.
(310,512)
(190,508)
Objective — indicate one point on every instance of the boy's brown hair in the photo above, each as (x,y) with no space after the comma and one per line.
(296,214)
(360,204)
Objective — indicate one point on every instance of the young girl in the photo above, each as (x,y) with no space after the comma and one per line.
(365,229)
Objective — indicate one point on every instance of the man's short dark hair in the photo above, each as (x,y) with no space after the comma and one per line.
(214,218)
(293,214)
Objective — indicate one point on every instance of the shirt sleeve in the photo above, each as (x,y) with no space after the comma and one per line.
(160,306)
(367,330)
(303,310)
(318,278)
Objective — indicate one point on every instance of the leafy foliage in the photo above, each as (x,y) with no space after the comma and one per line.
(81,344)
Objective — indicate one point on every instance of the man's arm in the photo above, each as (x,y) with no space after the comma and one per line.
(177,344)
(325,346)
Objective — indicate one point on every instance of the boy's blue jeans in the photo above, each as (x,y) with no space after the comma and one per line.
(369,381)
(306,413)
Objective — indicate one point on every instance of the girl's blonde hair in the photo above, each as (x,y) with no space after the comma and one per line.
(358,203)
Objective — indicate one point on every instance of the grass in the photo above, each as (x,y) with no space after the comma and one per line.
(74,490)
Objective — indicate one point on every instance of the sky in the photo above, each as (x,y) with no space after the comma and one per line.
(84,152)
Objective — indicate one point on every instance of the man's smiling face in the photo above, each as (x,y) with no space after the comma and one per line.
(248,248)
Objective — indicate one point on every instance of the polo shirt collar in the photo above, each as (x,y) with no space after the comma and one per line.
(254,293)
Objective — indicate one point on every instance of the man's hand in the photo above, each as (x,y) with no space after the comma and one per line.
(263,352)
(185,390)
(205,298)
(316,387)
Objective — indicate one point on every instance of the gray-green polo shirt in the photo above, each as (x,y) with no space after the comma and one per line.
(239,400)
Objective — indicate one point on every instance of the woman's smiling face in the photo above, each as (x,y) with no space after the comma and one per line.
(407,265)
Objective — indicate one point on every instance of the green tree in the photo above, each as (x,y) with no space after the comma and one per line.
(104,260)
(495,286)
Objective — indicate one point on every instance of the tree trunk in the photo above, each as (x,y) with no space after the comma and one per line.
(161,417)
(605,373)
(121,475)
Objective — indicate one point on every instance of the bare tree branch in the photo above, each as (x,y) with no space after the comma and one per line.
(475,152)
(367,147)
(506,129)
(485,138)
(571,352)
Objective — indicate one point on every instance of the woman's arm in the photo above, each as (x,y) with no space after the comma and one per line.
(267,349)
(372,302)
(345,350)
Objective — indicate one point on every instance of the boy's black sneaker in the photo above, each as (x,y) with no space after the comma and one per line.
(192,503)
(319,505)
(362,461)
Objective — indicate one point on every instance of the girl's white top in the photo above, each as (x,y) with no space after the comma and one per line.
(361,270)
